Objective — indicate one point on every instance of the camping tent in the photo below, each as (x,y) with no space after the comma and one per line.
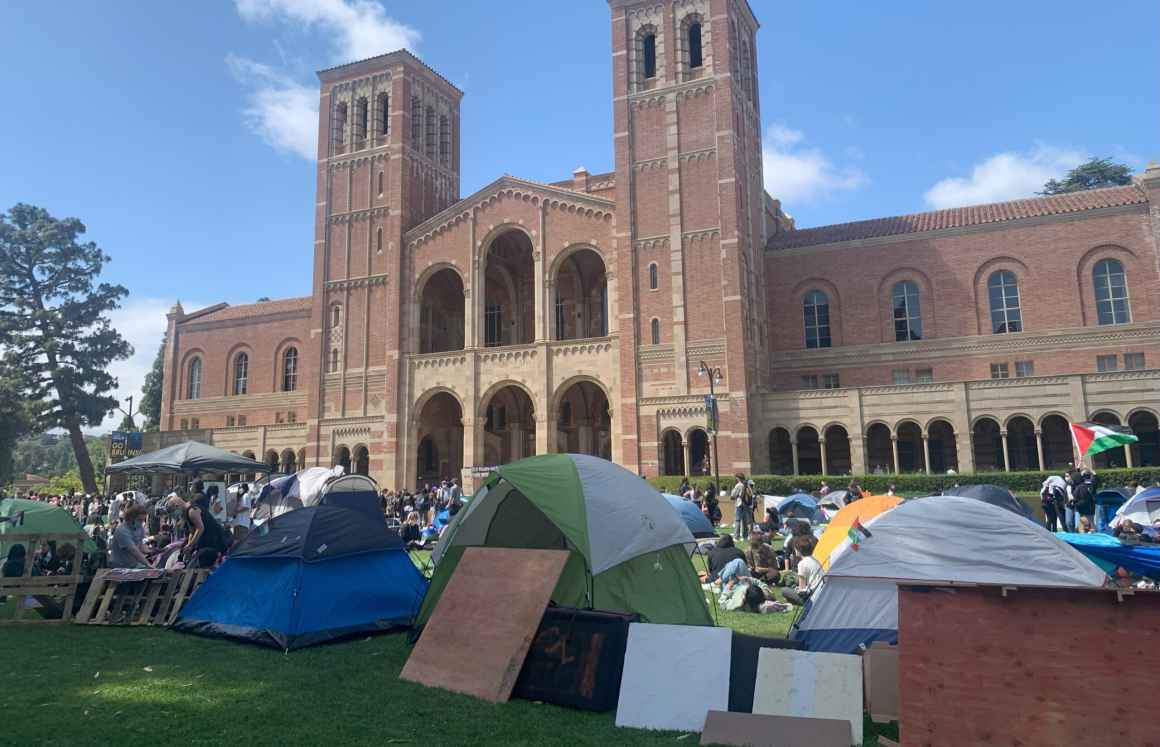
(943,539)
(626,542)
(840,523)
(1108,501)
(190,457)
(318,486)
(38,517)
(692,515)
(306,577)
(1109,553)
(995,495)
(803,506)
(1142,508)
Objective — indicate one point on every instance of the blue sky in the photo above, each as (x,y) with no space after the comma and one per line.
(176,131)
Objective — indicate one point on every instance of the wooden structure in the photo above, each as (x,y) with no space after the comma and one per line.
(121,596)
(36,598)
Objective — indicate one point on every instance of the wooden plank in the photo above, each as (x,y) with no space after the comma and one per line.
(146,615)
(480,631)
(183,592)
(101,618)
(754,730)
(85,615)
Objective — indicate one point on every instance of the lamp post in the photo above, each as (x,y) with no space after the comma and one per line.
(714,376)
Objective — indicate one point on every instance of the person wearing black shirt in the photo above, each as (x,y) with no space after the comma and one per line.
(1083,496)
(721,555)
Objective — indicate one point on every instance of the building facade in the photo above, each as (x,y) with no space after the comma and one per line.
(445,335)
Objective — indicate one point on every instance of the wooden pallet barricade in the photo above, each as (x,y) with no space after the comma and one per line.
(146,596)
(28,598)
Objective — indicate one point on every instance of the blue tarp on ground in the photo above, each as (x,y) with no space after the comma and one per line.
(1108,552)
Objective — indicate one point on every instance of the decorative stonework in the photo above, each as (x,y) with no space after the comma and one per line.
(652,353)
(365,282)
(586,347)
(439,360)
(508,355)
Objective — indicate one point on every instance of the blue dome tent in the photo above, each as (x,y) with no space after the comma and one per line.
(309,576)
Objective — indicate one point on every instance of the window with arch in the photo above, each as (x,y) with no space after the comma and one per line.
(379,240)
(429,120)
(1111,286)
(816,310)
(648,43)
(290,370)
(655,328)
(335,315)
(653,277)
(1003,294)
(380,184)
(340,118)
(361,118)
(193,387)
(906,299)
(384,112)
(416,122)
(241,373)
(333,367)
(696,55)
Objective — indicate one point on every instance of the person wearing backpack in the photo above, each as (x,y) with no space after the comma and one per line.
(1052,497)
(743,500)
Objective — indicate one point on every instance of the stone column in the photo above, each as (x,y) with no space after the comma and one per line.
(1127,456)
(515,441)
(964,451)
(859,455)
(1006,454)
(1039,448)
(541,298)
(544,438)
(926,452)
(687,446)
(794,447)
(822,447)
(894,450)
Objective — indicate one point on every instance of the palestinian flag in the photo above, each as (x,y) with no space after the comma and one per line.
(1092,438)
(857,533)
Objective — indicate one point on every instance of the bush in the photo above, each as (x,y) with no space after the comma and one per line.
(912,485)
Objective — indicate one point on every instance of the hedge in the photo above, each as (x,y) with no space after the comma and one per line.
(911,485)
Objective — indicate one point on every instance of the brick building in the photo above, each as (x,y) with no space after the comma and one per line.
(446,334)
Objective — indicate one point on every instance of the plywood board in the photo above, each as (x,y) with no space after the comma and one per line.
(812,685)
(754,730)
(673,676)
(880,681)
(486,618)
(743,667)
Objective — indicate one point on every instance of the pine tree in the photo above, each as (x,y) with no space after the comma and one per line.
(54,324)
(1096,173)
(151,392)
(15,419)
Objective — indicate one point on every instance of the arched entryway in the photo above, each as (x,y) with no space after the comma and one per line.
(509,300)
(249,476)
(1111,458)
(509,426)
(272,460)
(342,459)
(944,452)
(580,300)
(672,454)
(440,439)
(780,452)
(361,458)
(1022,451)
(700,460)
(583,425)
(879,449)
(987,444)
(1145,453)
(441,313)
(809,451)
(1058,451)
(289,462)
(837,451)
(911,455)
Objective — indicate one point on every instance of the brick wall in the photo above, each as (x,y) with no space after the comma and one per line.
(1039,667)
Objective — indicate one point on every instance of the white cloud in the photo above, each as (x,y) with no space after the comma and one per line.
(795,175)
(1004,176)
(280,111)
(358,28)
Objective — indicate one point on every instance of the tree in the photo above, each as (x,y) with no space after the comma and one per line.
(263,299)
(54,324)
(151,392)
(15,419)
(1096,173)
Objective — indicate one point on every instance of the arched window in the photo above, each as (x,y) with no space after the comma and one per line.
(653,279)
(1111,288)
(335,315)
(380,184)
(416,122)
(384,114)
(649,54)
(340,115)
(379,240)
(361,118)
(193,390)
(241,374)
(290,370)
(334,360)
(430,132)
(816,308)
(656,331)
(907,311)
(696,58)
(1003,292)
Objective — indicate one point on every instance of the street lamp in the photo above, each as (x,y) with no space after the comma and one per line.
(714,376)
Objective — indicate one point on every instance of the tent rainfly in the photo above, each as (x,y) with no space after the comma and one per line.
(627,543)
(190,457)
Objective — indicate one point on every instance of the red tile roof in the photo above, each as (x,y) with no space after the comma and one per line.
(256,309)
(973,215)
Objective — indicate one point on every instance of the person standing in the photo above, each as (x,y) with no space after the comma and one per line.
(743,499)
(1052,496)
(207,540)
(1084,496)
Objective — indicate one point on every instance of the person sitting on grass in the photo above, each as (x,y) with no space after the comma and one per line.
(720,556)
(809,571)
(762,559)
(757,602)
(772,523)
(412,533)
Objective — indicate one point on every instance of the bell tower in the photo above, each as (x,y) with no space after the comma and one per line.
(690,218)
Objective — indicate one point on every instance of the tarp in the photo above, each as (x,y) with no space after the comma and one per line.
(626,541)
(994,495)
(840,523)
(693,516)
(39,517)
(190,457)
(942,539)
(1109,553)
(1142,508)
(306,577)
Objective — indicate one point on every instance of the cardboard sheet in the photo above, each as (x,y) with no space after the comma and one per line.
(673,676)
(743,667)
(753,730)
(880,681)
(480,631)
(812,685)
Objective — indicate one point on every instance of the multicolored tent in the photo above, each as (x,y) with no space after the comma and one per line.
(841,523)
(627,543)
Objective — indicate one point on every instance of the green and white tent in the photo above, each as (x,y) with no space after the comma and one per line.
(627,544)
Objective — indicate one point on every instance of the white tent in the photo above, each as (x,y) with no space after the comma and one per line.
(939,539)
(1142,508)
